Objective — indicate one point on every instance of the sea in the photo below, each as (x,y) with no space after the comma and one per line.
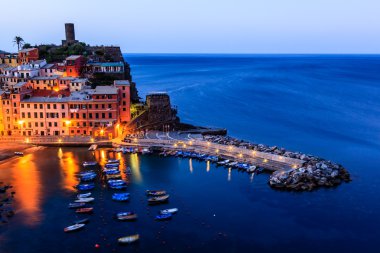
(325,105)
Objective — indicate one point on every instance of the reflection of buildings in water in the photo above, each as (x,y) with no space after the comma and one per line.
(135,167)
(208,166)
(27,183)
(229,174)
(251,177)
(69,169)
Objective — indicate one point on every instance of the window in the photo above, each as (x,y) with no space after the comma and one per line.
(54,106)
(22,105)
(62,106)
(35,115)
(90,106)
(41,106)
(84,124)
(63,115)
(27,105)
(35,106)
(55,124)
(41,115)
(84,115)
(23,115)
(96,106)
(49,124)
(90,115)
(103,106)
(103,115)
(97,115)
(36,124)
(48,106)
(109,106)
(110,115)
(77,115)
(123,95)
(41,124)
(29,115)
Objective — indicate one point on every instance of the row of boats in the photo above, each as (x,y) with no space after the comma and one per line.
(214,159)
(112,174)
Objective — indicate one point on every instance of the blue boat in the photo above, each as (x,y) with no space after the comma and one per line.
(112,172)
(112,165)
(117,183)
(113,161)
(85,187)
(90,163)
(118,187)
(167,216)
(88,177)
(120,196)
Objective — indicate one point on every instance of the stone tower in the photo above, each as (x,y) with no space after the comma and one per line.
(70,35)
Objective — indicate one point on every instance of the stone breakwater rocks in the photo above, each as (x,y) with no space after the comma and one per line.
(315,172)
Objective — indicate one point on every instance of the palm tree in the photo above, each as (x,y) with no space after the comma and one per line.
(18,41)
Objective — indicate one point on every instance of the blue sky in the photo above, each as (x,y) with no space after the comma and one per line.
(200,26)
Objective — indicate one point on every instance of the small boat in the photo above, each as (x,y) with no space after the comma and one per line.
(112,165)
(251,169)
(170,210)
(82,221)
(88,178)
(19,153)
(116,176)
(158,199)
(76,205)
(84,195)
(89,163)
(127,216)
(117,183)
(112,172)
(84,200)
(111,181)
(120,196)
(85,187)
(129,239)
(118,187)
(73,227)
(166,216)
(113,161)
(85,210)
(155,193)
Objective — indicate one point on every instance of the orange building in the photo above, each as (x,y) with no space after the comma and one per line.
(28,55)
(74,65)
(124,100)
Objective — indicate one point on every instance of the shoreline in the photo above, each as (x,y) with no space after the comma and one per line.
(7,150)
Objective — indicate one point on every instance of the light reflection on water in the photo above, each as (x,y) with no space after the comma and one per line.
(135,167)
(69,169)
(26,180)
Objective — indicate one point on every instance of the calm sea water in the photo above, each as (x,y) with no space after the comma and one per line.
(323,105)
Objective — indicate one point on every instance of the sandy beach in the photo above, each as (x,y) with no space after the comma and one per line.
(7,149)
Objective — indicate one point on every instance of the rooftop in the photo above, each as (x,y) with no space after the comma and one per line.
(121,82)
(104,90)
(73,57)
(27,50)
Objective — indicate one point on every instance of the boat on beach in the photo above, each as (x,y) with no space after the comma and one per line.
(129,239)
(19,153)
(74,227)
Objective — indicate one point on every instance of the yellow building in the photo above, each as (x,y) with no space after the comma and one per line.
(9,59)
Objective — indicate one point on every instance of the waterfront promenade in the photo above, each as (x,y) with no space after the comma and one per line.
(171,141)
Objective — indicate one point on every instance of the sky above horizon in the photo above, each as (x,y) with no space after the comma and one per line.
(200,26)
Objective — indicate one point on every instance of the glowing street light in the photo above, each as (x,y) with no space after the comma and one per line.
(20,122)
(68,122)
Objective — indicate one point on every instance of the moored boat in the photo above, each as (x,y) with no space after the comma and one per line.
(76,205)
(84,195)
(166,216)
(89,163)
(19,153)
(85,200)
(74,227)
(155,192)
(158,199)
(129,239)
(128,216)
(120,196)
(85,187)
(113,161)
(169,211)
(85,210)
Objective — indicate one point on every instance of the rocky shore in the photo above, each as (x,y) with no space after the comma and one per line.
(315,172)
(6,199)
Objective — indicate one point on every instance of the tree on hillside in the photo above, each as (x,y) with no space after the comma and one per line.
(18,41)
(26,45)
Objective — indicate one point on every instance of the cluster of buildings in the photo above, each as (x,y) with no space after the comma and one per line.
(42,99)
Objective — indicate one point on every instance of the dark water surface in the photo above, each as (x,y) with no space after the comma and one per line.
(323,105)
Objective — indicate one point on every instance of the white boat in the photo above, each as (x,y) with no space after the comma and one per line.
(170,210)
(73,227)
(224,162)
(84,195)
(89,163)
(232,164)
(19,153)
(251,168)
(129,239)
(113,161)
(84,200)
